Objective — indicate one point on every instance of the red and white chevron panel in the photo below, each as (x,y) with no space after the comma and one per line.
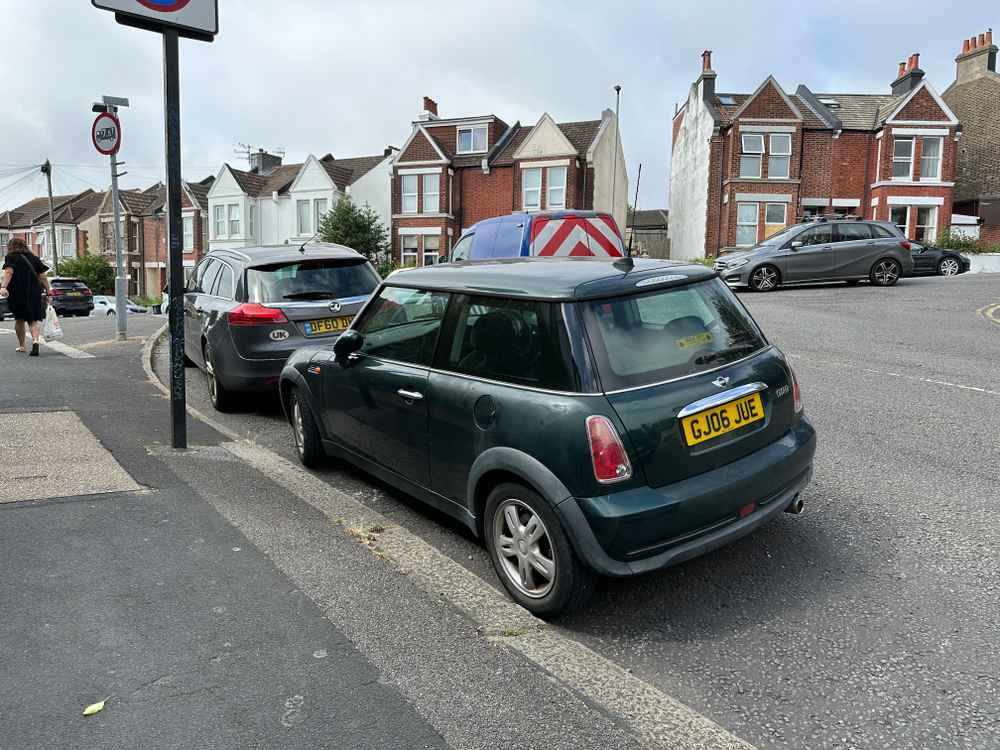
(576,236)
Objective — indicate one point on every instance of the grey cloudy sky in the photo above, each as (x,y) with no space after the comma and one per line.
(348,77)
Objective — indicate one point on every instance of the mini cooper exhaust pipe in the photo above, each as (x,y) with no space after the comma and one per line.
(795,506)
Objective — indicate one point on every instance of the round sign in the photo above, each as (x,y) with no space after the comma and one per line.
(166,6)
(107,134)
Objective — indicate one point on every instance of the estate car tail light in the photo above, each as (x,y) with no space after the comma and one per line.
(610,460)
(53,292)
(253,314)
(905,244)
(796,393)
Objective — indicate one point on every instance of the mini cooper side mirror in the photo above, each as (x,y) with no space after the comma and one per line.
(796,245)
(348,343)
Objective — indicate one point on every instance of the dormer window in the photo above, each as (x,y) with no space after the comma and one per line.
(726,100)
(472,140)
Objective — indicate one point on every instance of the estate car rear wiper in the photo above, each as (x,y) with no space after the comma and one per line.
(314,294)
(704,359)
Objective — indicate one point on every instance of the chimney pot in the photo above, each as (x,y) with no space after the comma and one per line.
(972,43)
(916,61)
(982,40)
(706,60)
(989,37)
(965,46)
(902,70)
(430,105)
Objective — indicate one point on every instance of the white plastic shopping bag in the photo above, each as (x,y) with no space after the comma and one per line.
(52,329)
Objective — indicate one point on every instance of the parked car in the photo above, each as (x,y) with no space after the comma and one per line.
(937,261)
(70,296)
(108,306)
(546,233)
(581,416)
(819,251)
(246,310)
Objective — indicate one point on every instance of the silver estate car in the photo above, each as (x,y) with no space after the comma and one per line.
(844,250)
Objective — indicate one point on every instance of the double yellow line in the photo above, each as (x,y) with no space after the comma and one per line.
(990,313)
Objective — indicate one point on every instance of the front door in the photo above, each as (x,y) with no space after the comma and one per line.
(816,258)
(376,402)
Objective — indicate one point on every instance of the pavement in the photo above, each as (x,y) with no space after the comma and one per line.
(211,606)
(870,621)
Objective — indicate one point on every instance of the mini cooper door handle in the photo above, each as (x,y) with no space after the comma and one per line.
(409,396)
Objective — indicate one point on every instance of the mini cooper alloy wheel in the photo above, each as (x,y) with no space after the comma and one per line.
(524,548)
(298,428)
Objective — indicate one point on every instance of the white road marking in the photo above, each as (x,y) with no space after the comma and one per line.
(656,719)
(803,359)
(70,351)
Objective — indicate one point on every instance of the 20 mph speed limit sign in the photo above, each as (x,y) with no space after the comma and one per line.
(107,134)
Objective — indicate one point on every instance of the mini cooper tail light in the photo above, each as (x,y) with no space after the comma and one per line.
(607,453)
(253,314)
(796,393)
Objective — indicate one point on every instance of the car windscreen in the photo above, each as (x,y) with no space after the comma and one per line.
(669,333)
(311,280)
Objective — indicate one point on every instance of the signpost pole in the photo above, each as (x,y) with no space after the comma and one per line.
(121,283)
(175,235)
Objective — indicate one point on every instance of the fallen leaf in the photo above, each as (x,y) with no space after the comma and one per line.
(93,708)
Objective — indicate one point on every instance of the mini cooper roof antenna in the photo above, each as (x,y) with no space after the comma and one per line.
(624,264)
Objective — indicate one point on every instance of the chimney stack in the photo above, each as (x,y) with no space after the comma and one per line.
(706,81)
(910,76)
(430,109)
(263,163)
(977,58)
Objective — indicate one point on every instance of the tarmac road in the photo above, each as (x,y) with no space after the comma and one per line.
(870,621)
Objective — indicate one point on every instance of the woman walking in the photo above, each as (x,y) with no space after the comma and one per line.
(23,284)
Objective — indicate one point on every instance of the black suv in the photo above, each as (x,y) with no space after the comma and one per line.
(246,310)
(70,296)
(583,416)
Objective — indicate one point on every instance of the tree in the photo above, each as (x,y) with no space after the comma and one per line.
(358,228)
(92,270)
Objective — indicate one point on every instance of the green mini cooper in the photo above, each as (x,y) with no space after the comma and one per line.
(582,416)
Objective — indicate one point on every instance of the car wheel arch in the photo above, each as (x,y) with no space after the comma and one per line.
(498,465)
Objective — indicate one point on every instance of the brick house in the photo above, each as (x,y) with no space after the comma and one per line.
(454,172)
(744,166)
(974,96)
(144,232)
(30,222)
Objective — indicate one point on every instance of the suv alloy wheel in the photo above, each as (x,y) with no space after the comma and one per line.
(885,272)
(765,279)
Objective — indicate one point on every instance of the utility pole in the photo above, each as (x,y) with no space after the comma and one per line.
(614,169)
(110,105)
(47,171)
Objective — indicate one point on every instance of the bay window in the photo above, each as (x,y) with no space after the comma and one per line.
(303,218)
(780,156)
(930,158)
(531,189)
(775,218)
(900,216)
(902,159)
(409,250)
(409,189)
(752,153)
(432,249)
(188,225)
(746,224)
(555,196)
(432,193)
(219,213)
(234,219)
(926,225)
(319,211)
(472,140)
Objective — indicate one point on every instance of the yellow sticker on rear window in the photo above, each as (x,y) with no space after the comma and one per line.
(698,338)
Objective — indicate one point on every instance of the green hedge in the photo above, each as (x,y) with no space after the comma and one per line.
(964,244)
